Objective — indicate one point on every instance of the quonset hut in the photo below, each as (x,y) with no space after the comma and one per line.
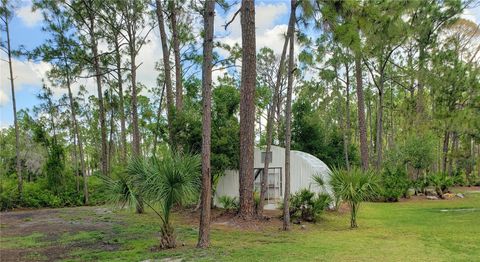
(303,167)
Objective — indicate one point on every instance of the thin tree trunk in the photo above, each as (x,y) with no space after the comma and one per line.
(98,76)
(176,52)
(446,141)
(361,112)
(167,70)
(370,127)
(206,198)
(454,149)
(77,134)
(75,159)
(133,76)
(247,109)
(288,118)
(14,103)
(420,107)
(392,122)
(346,141)
(157,126)
(379,122)
(270,123)
(123,132)
(110,141)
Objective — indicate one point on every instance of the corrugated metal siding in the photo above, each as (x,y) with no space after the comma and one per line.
(303,167)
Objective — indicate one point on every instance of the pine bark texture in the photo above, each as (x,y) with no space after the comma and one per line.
(101,107)
(206,197)
(123,133)
(167,69)
(247,109)
(288,118)
(176,53)
(361,113)
(346,141)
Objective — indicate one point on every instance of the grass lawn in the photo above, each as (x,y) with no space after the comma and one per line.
(414,230)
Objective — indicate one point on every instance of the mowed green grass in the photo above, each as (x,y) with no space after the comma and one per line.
(412,230)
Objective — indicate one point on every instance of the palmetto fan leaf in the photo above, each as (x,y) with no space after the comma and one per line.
(120,191)
(174,179)
(354,186)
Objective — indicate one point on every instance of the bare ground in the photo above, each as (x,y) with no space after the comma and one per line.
(51,225)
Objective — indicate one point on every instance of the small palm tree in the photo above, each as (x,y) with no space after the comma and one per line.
(173,179)
(354,186)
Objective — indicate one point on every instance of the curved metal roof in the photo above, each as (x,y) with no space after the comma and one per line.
(320,169)
(313,161)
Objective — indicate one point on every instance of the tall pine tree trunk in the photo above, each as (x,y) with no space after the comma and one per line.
(420,103)
(247,109)
(14,103)
(206,197)
(167,70)
(176,53)
(123,133)
(446,141)
(288,117)
(79,138)
(133,76)
(98,77)
(270,123)
(75,159)
(378,142)
(346,140)
(361,112)
(157,125)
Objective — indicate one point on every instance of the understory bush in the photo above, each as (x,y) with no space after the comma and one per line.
(441,182)
(307,205)
(8,194)
(37,194)
(394,184)
(228,203)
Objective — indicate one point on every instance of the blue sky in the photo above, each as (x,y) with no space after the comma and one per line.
(26,30)
(25,27)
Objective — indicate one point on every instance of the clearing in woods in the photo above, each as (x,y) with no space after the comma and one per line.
(415,230)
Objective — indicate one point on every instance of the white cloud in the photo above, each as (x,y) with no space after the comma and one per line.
(25,73)
(268,32)
(4,98)
(29,18)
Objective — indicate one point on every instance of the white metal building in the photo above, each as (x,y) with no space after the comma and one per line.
(302,167)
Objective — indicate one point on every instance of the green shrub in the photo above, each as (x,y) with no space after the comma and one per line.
(229,203)
(97,190)
(441,181)
(394,184)
(308,206)
(8,194)
(256,199)
(459,179)
(35,195)
(419,185)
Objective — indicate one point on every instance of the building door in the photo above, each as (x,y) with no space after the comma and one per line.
(274,183)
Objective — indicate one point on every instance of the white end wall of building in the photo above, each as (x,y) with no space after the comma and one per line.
(303,167)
